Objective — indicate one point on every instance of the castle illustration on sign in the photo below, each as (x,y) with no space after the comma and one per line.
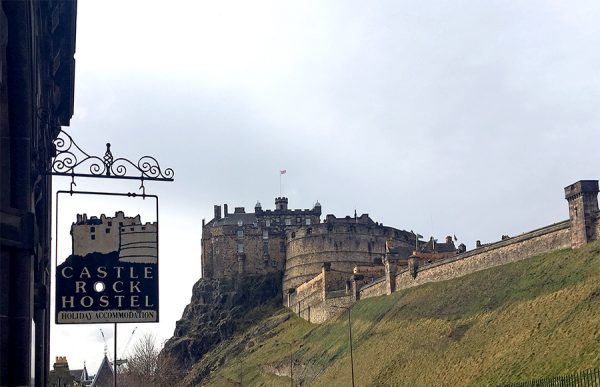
(135,242)
(328,265)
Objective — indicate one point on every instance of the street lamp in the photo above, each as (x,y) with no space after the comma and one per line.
(291,359)
(350,339)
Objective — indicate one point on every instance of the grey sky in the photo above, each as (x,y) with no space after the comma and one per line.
(463,117)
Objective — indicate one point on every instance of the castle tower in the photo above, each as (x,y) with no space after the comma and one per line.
(281,204)
(583,205)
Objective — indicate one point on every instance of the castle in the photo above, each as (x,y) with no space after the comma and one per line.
(329,265)
(135,242)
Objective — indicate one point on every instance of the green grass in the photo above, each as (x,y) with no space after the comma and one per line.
(536,318)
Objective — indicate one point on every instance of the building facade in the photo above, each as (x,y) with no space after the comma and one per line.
(239,243)
(298,245)
(37,72)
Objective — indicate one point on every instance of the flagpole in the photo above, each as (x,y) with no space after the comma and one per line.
(281,172)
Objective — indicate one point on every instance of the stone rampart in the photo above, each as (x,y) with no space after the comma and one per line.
(374,289)
(335,281)
(543,240)
(322,296)
(345,244)
(324,310)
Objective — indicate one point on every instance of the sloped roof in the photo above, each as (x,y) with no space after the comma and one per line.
(104,376)
(233,219)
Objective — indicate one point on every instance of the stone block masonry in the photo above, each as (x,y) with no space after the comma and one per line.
(544,240)
(582,227)
(328,266)
(343,242)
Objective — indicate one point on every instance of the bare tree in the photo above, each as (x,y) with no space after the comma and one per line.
(145,366)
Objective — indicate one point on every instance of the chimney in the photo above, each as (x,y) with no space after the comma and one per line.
(217,212)
(225,210)
(449,239)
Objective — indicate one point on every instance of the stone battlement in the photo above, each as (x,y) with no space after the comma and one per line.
(328,266)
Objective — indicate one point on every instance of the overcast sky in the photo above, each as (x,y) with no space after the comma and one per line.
(463,118)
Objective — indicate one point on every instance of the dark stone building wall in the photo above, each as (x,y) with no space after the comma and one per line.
(241,243)
(37,71)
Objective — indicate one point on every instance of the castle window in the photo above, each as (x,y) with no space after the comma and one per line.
(268,223)
(265,234)
(123,229)
(121,225)
(293,235)
(93,237)
(240,223)
(299,220)
(240,234)
(309,231)
(240,248)
(143,228)
(288,222)
(307,221)
(92,229)
(107,230)
(132,228)
(282,247)
(109,223)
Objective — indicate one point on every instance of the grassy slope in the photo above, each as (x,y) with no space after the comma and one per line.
(535,318)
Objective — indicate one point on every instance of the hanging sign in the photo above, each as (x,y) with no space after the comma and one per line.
(112,274)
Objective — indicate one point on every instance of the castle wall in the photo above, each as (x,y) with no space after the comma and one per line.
(325,310)
(241,243)
(305,299)
(514,249)
(221,257)
(374,289)
(343,244)
(321,297)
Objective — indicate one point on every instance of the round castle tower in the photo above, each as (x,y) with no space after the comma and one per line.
(343,242)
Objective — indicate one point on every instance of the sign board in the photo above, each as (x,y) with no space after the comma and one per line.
(112,274)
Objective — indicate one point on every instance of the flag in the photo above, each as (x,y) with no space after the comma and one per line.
(455,238)
(282,172)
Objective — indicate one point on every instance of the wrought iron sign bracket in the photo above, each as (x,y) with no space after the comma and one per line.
(72,161)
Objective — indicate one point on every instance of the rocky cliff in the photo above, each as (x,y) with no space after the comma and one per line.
(218,309)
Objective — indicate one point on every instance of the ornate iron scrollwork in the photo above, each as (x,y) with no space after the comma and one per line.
(71,160)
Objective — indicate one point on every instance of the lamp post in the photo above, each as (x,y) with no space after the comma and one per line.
(291,366)
(349,338)
(291,359)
